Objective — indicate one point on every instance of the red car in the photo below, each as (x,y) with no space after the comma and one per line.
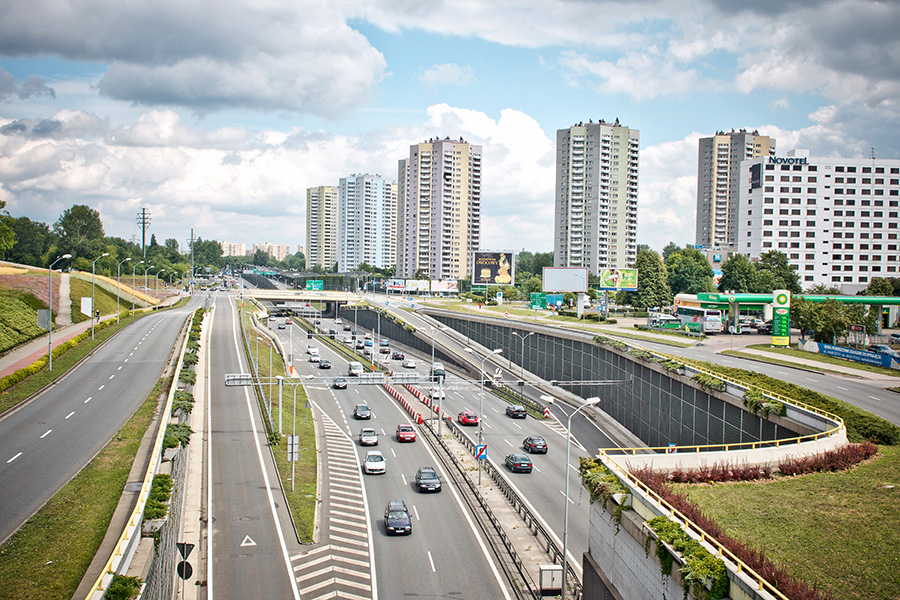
(467,417)
(406,433)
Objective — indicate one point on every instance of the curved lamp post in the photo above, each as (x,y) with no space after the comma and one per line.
(93,311)
(133,268)
(157,282)
(587,402)
(481,409)
(146,269)
(119,285)
(522,337)
(50,326)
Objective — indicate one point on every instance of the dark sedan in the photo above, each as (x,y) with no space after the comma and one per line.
(427,480)
(535,444)
(518,463)
(396,518)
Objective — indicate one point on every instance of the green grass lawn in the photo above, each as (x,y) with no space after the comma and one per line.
(824,359)
(841,530)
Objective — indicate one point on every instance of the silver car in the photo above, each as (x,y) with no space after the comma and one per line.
(368,437)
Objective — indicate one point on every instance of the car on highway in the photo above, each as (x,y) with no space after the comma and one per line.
(282,326)
(312,349)
(516,411)
(427,480)
(367,351)
(360,345)
(339,383)
(406,433)
(467,417)
(361,411)
(314,358)
(883,349)
(338,322)
(409,363)
(375,463)
(347,339)
(518,463)
(396,518)
(384,350)
(270,318)
(397,355)
(288,322)
(368,437)
(347,327)
(368,336)
(324,364)
(436,371)
(436,393)
(535,444)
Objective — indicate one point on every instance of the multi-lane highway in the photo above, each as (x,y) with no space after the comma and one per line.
(46,441)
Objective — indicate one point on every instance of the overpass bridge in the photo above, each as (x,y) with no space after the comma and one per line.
(285,302)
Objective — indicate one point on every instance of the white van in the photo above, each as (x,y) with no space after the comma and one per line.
(355,369)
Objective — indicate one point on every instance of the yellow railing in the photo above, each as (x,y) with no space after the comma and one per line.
(671,512)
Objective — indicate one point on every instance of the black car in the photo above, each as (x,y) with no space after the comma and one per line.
(361,411)
(765,328)
(518,463)
(397,355)
(324,364)
(516,411)
(427,480)
(347,327)
(535,444)
(360,345)
(384,350)
(339,383)
(332,333)
(396,518)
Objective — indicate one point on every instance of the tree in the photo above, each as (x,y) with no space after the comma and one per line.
(80,232)
(653,287)
(207,253)
(7,233)
(531,285)
(880,286)
(260,258)
(670,249)
(738,274)
(781,275)
(33,242)
(689,272)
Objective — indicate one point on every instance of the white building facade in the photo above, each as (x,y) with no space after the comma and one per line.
(367,222)
(233,249)
(321,226)
(837,219)
(595,222)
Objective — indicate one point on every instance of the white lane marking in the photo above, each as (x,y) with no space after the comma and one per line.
(874,398)
(403,477)
(112,376)
(14,458)
(416,511)
(508,444)
(533,466)
(782,372)
(46,433)
(120,366)
(101,387)
(394,453)
(813,380)
(517,425)
(564,495)
(70,414)
(89,399)
(495,410)
(843,389)
(431,560)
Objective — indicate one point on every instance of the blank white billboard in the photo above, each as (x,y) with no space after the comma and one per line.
(565,279)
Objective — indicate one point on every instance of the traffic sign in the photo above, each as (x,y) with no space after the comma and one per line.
(481,451)
(184,549)
(185,570)
(546,412)
(293,448)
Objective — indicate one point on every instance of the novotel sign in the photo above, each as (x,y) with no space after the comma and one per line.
(790,160)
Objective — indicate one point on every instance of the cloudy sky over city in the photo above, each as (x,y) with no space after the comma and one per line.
(219,115)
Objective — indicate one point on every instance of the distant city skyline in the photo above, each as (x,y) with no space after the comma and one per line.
(225,131)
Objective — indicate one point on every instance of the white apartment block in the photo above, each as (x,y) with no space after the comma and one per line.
(321,226)
(837,219)
(367,222)
(596,196)
(718,167)
(233,249)
(440,208)
(276,251)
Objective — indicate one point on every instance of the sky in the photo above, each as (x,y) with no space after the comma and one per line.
(218,115)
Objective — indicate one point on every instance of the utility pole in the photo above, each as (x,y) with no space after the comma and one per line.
(143,220)
(192,260)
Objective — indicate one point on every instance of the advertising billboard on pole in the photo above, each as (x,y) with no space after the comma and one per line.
(619,279)
(448,286)
(565,279)
(493,268)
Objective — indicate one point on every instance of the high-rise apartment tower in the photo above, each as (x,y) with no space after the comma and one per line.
(367,222)
(718,174)
(441,208)
(322,226)
(596,196)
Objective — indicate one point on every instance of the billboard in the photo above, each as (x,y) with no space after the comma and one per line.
(619,279)
(416,285)
(394,284)
(450,286)
(565,279)
(493,268)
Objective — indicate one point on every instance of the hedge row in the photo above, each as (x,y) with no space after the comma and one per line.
(18,323)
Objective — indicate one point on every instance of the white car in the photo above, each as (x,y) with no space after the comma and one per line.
(409,363)
(347,340)
(311,349)
(314,358)
(436,393)
(374,463)
(338,322)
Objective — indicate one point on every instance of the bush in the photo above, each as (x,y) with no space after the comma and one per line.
(187,376)
(123,587)
(190,360)
(160,492)
(177,434)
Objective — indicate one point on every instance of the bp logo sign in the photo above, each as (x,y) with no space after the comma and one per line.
(781,299)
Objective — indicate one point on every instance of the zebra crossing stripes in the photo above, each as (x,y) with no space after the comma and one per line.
(342,566)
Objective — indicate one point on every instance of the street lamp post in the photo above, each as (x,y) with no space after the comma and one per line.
(587,402)
(50,325)
(133,268)
(481,407)
(146,269)
(119,285)
(522,337)
(93,269)
(157,282)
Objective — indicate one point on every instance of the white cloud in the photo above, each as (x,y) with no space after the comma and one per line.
(448,74)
